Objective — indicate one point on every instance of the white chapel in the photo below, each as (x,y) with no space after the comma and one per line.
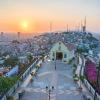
(62,52)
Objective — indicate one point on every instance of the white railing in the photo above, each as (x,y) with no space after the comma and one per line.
(91,89)
(88,85)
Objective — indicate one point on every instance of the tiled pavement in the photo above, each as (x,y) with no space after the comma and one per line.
(61,79)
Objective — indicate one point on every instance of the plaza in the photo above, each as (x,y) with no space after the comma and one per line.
(61,79)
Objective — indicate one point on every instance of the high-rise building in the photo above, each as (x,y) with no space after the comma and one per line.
(1,36)
(18,34)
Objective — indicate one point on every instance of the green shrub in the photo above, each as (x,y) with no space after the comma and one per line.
(74,65)
(10,98)
(75,77)
(6,83)
(82,78)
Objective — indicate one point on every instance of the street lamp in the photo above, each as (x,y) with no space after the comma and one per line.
(55,64)
(49,90)
(97,81)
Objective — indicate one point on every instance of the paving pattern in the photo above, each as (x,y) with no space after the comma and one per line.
(61,79)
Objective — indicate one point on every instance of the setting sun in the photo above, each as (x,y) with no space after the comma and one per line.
(24,25)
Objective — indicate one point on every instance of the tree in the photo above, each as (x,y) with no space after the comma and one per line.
(30,58)
(81,50)
(6,83)
(12,61)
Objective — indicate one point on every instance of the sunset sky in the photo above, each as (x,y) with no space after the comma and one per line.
(35,15)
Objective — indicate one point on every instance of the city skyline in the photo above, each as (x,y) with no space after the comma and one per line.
(35,15)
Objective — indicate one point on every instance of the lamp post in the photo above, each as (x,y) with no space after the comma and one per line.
(55,64)
(97,81)
(49,90)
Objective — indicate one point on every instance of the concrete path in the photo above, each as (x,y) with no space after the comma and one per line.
(61,79)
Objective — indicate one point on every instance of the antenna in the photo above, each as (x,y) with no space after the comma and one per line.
(81,26)
(50,26)
(78,27)
(67,27)
(85,24)
(85,21)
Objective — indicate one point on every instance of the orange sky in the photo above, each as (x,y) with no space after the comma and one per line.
(39,26)
(35,15)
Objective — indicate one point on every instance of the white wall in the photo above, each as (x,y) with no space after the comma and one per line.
(63,49)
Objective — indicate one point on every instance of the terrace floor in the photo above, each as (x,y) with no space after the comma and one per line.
(61,79)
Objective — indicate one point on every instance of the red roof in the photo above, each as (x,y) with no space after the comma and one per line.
(70,46)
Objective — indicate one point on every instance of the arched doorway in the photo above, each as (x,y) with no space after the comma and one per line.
(59,55)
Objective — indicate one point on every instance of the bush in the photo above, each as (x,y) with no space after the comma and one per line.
(10,98)
(91,72)
(74,65)
(82,78)
(6,83)
(75,77)
(71,60)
